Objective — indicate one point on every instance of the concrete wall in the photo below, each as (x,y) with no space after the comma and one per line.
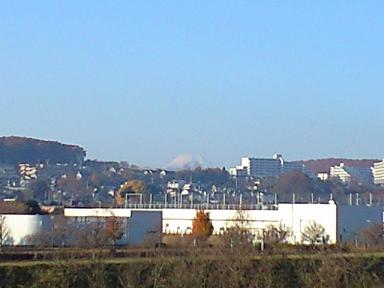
(299,216)
(340,222)
(144,228)
(139,227)
(22,227)
(293,216)
(352,220)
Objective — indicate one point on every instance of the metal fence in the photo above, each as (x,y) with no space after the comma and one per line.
(200,206)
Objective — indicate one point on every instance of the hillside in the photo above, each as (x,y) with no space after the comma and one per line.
(15,150)
(323,165)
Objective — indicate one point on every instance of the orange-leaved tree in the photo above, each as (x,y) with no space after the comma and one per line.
(202,225)
(131,186)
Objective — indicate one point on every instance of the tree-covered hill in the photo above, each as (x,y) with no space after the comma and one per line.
(15,150)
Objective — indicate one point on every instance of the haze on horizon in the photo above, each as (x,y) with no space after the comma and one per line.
(145,81)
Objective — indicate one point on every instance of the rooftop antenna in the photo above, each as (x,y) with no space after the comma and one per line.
(275,198)
(370,198)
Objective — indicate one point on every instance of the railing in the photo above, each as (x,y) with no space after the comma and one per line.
(200,206)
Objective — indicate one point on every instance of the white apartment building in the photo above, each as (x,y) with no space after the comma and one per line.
(378,173)
(348,174)
(265,167)
(340,172)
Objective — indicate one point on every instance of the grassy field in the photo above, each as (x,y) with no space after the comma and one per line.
(198,268)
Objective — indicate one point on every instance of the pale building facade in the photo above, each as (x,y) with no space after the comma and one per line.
(265,167)
(347,174)
(378,173)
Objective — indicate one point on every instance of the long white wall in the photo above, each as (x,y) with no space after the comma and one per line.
(339,222)
(293,216)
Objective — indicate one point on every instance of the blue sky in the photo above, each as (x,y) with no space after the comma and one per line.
(145,81)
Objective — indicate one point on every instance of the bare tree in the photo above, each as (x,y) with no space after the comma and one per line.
(275,234)
(235,250)
(63,230)
(373,235)
(314,233)
(114,230)
(92,234)
(4,232)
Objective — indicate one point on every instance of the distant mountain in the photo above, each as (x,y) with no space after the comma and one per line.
(186,162)
(324,165)
(15,150)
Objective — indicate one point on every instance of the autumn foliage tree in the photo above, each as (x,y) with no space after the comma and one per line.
(131,186)
(202,226)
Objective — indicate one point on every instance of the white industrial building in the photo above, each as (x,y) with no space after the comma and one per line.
(137,227)
(378,173)
(20,228)
(341,223)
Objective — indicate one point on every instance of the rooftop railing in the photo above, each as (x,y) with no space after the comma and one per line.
(200,206)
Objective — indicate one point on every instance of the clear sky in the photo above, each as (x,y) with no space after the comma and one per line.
(144,81)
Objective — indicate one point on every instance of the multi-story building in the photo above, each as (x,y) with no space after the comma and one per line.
(378,173)
(265,167)
(294,166)
(28,171)
(347,174)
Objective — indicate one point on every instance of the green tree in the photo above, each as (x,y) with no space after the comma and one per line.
(40,189)
(33,207)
